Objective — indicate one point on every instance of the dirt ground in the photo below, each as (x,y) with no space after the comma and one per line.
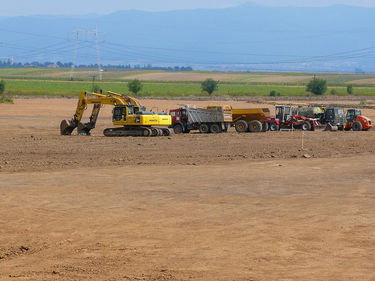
(191,207)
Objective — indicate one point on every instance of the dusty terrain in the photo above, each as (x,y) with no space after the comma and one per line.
(192,207)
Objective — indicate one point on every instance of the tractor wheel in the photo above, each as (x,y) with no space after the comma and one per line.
(265,127)
(215,129)
(204,129)
(306,126)
(274,127)
(255,126)
(357,126)
(178,129)
(241,126)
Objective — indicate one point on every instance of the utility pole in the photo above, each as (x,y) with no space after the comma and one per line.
(74,56)
(95,33)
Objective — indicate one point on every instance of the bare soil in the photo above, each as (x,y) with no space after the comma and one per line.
(187,207)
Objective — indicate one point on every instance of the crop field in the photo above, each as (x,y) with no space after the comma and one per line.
(55,82)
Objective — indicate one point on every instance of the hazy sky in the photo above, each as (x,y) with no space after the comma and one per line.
(74,7)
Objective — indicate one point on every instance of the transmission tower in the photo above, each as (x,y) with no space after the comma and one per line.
(94,33)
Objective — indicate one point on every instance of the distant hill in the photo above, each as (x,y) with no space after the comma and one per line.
(247,37)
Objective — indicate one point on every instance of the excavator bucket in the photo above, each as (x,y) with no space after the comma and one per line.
(66,128)
(331,128)
(83,129)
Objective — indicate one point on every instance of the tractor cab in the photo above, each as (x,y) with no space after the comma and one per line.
(352,114)
(283,113)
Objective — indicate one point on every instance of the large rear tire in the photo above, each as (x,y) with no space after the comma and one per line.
(255,126)
(357,126)
(241,126)
(204,129)
(274,127)
(178,129)
(306,126)
(215,128)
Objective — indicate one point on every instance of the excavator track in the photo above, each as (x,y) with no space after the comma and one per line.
(136,132)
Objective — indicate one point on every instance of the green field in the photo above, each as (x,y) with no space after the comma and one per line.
(55,82)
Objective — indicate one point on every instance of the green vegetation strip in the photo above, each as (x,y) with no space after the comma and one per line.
(68,88)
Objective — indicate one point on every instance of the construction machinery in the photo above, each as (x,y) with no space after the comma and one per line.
(128,114)
(285,119)
(212,120)
(356,121)
(334,118)
(250,119)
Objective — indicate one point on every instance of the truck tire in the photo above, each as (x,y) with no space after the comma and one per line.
(357,126)
(204,129)
(215,128)
(178,129)
(166,132)
(274,127)
(255,126)
(241,126)
(306,126)
(265,127)
(226,127)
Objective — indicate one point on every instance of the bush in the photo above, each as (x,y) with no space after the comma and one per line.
(333,92)
(273,93)
(2,87)
(209,86)
(95,88)
(135,86)
(317,86)
(349,89)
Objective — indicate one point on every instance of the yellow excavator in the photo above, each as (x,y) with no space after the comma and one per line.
(128,114)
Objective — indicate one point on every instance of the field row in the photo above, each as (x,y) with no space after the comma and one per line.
(68,88)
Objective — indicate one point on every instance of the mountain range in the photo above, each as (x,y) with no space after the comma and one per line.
(247,37)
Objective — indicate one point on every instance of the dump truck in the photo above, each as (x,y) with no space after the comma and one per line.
(131,118)
(250,119)
(356,121)
(187,118)
(286,118)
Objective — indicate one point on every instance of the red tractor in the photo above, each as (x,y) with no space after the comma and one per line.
(356,121)
(285,119)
